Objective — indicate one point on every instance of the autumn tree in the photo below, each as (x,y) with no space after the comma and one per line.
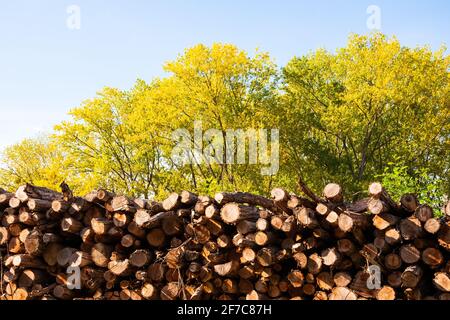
(349,113)
(342,117)
(123,139)
(37,161)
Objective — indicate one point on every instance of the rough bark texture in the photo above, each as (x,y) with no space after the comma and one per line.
(233,246)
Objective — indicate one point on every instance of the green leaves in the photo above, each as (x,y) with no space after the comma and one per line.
(371,100)
(398,180)
(342,117)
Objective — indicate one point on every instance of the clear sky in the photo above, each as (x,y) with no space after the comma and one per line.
(47,68)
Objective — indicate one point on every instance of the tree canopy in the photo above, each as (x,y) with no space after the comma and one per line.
(364,106)
(343,116)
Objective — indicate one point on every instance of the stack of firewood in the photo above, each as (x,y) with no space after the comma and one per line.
(233,246)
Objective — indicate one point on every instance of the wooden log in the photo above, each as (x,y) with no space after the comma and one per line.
(383,221)
(385,293)
(104,195)
(28,261)
(80,259)
(212,211)
(424,213)
(120,268)
(333,193)
(233,213)
(360,285)
(63,293)
(30,218)
(411,228)
(123,204)
(265,238)
(58,206)
(34,244)
(14,202)
(289,225)
(4,199)
(332,219)
(306,218)
(28,191)
(188,198)
(432,226)
(248,255)
(443,236)
(323,209)
(244,227)
(395,279)
(342,279)
(301,259)
(4,236)
(15,229)
(174,257)
(392,261)
(262,224)
(71,225)
(9,219)
(441,281)
(202,203)
(39,205)
(30,277)
(325,281)
(246,198)
(433,257)
(145,220)
(277,221)
(128,241)
(267,256)
(295,201)
(172,225)
(280,198)
(330,257)
(409,254)
(149,291)
(314,264)
(156,237)
(79,205)
(377,191)
(412,276)
(226,269)
(377,206)
(348,221)
(50,254)
(136,231)
(296,278)
(24,234)
(342,293)
(64,256)
(381,244)
(101,226)
(409,202)
(172,202)
(156,271)
(121,219)
(446,209)
(392,236)
(101,254)
(360,206)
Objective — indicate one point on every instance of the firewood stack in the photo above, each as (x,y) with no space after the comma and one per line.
(233,246)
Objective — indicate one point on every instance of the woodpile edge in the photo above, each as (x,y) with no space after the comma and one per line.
(234,246)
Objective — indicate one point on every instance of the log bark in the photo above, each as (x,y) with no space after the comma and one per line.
(233,213)
(246,198)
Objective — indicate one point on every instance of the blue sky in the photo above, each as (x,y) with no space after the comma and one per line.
(46,69)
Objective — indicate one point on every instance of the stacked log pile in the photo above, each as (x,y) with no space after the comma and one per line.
(233,246)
